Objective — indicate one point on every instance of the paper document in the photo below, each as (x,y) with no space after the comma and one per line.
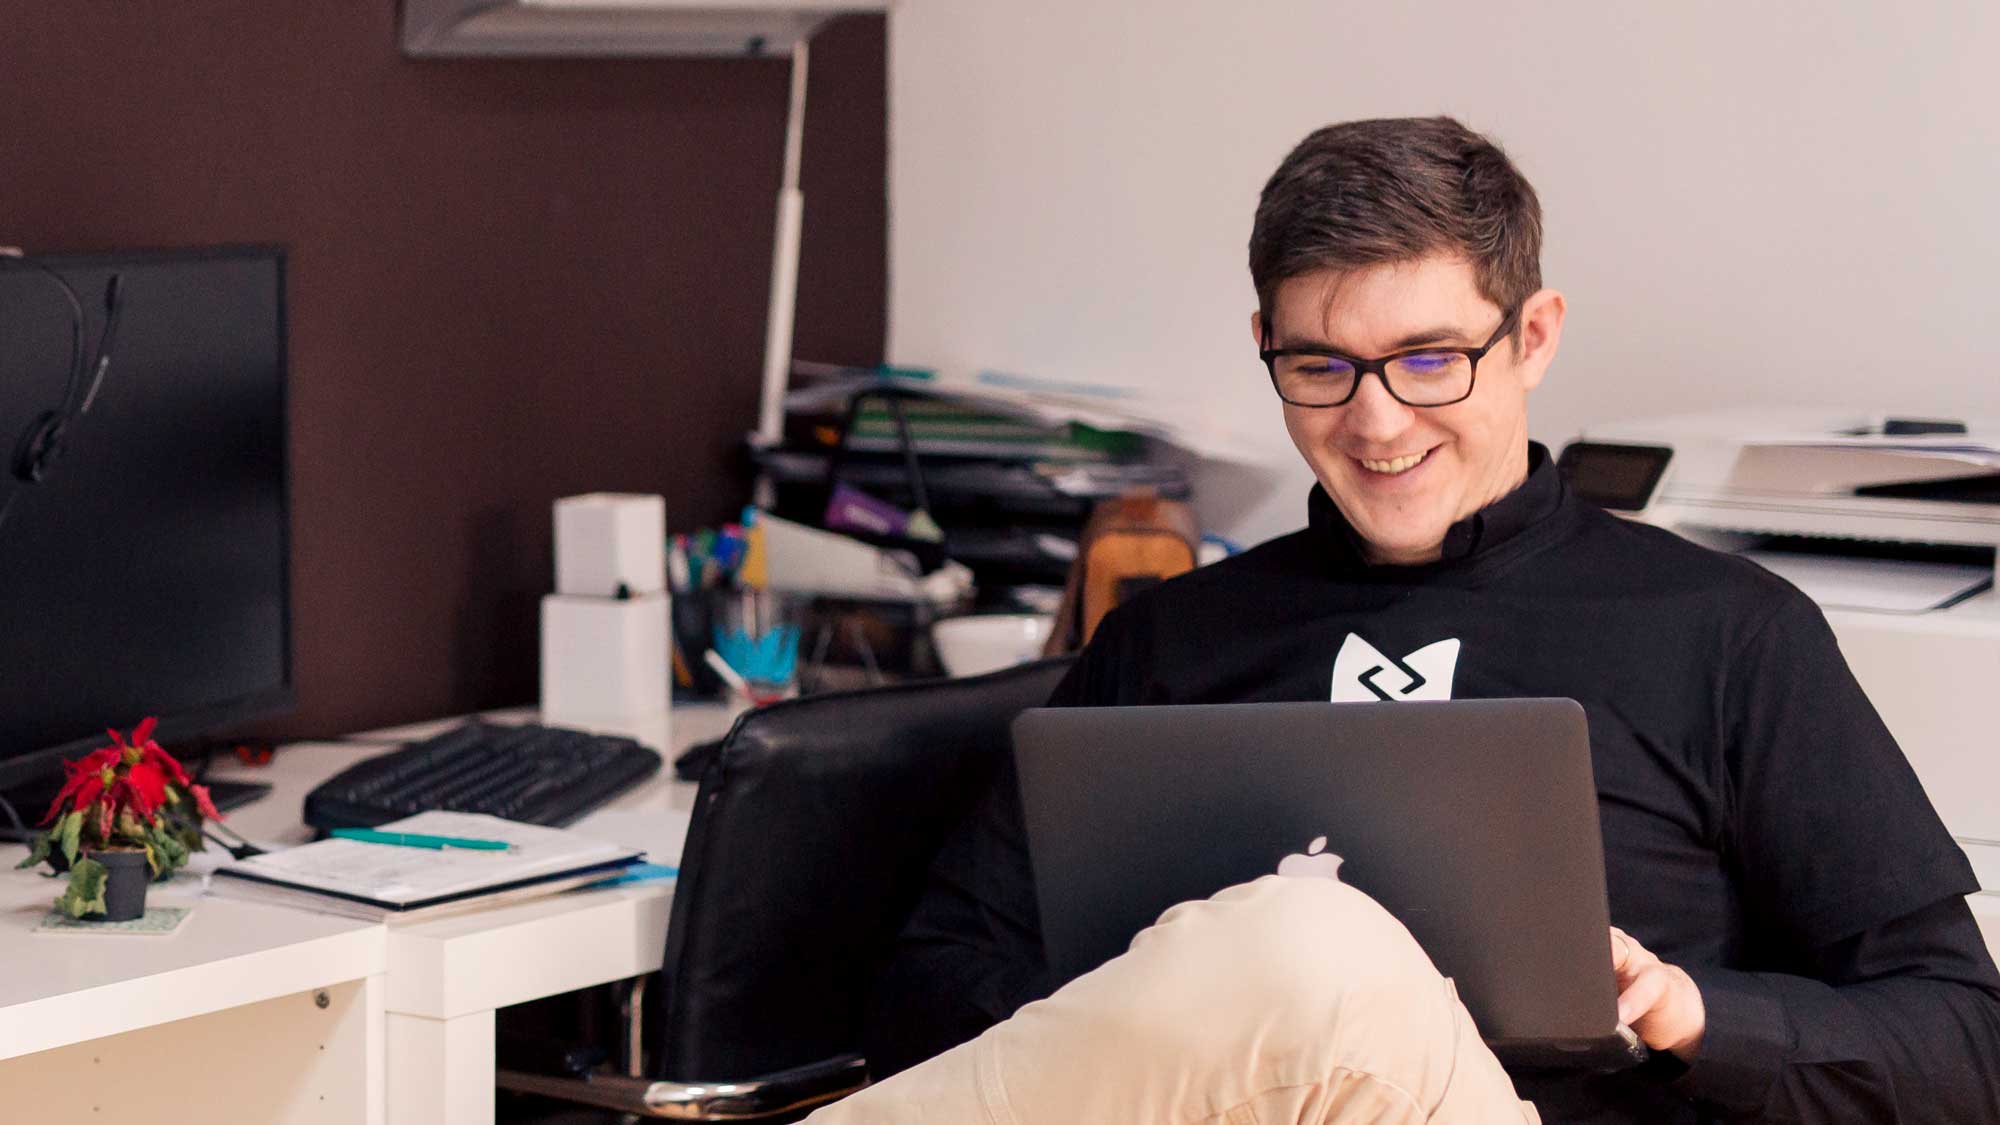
(807,560)
(1101,406)
(1880,585)
(393,875)
(1824,468)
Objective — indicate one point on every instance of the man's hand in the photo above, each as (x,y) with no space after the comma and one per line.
(1657,1000)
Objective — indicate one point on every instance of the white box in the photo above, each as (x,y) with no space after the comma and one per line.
(604,659)
(605,540)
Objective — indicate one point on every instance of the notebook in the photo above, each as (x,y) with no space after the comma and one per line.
(383,881)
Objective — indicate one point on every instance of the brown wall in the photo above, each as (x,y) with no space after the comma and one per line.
(510,281)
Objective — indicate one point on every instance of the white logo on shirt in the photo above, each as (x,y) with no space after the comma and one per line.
(1361,674)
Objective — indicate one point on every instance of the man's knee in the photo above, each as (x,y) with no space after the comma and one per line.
(1301,927)
(1281,981)
(1281,943)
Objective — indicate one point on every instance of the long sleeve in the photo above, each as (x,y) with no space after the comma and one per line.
(1898,1024)
(1868,994)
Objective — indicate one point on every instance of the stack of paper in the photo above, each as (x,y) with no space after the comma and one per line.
(365,880)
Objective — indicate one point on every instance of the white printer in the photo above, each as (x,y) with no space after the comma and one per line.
(1893,526)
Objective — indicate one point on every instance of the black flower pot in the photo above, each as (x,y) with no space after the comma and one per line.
(125,877)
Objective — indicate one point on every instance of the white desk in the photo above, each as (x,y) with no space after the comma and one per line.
(302,1017)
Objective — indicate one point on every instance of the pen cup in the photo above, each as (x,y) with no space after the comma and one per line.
(756,635)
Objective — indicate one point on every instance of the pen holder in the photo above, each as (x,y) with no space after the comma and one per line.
(757,634)
(691,642)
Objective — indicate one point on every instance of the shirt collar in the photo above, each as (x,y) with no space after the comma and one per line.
(1483,530)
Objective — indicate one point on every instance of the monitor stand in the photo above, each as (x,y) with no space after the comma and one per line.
(235,794)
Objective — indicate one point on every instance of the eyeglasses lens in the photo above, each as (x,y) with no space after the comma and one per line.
(1419,379)
(1313,380)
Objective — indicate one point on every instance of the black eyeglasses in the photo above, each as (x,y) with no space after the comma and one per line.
(1428,376)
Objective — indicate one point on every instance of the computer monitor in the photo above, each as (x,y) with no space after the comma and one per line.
(146,573)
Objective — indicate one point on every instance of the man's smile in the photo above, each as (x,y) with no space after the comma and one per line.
(1395,466)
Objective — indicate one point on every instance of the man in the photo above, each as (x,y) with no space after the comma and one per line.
(1793,940)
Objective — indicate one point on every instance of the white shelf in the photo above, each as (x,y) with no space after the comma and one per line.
(615,28)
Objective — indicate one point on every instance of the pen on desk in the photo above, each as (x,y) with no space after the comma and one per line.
(418,840)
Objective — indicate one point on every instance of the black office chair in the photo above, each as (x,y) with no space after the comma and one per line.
(812,832)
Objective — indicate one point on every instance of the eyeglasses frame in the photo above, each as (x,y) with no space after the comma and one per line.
(1379,366)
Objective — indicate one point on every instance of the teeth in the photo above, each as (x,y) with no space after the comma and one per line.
(1396,465)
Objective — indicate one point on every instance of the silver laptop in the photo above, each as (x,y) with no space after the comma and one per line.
(1474,822)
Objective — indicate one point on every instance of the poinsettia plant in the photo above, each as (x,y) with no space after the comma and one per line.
(128,796)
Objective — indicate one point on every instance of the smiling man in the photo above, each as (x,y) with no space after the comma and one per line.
(1792,940)
(1411,451)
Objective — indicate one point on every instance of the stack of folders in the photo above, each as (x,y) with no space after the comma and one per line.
(385,881)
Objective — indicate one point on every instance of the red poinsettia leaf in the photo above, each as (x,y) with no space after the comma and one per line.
(62,795)
(143,733)
(77,771)
(81,789)
(131,801)
(201,802)
(145,788)
(116,737)
(165,763)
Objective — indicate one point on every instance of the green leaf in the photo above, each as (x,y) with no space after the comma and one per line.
(71,826)
(85,894)
(38,850)
(169,853)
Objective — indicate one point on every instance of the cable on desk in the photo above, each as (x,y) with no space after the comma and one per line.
(19,831)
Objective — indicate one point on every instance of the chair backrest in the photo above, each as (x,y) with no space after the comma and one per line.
(812,833)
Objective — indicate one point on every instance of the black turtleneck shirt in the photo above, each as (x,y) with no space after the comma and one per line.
(1761,828)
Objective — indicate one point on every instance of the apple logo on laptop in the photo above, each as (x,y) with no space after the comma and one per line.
(1316,863)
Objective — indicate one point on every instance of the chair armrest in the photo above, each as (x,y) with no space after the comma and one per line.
(745,1100)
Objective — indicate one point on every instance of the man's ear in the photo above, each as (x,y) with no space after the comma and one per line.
(1541,331)
(1257,327)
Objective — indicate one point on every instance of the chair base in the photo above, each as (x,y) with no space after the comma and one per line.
(749,1100)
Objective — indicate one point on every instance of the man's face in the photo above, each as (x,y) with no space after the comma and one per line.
(1403,475)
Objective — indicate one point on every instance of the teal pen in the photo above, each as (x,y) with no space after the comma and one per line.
(415,840)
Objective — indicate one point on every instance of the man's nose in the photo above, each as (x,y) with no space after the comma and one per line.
(1373,414)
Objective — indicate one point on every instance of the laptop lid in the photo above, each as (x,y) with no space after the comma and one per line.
(1474,822)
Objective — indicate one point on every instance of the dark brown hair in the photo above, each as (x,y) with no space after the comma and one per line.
(1365,192)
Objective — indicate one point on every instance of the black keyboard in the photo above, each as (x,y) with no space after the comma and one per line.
(541,775)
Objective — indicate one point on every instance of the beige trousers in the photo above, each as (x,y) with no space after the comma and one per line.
(1286,1000)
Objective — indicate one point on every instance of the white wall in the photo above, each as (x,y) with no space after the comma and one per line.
(1745,202)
